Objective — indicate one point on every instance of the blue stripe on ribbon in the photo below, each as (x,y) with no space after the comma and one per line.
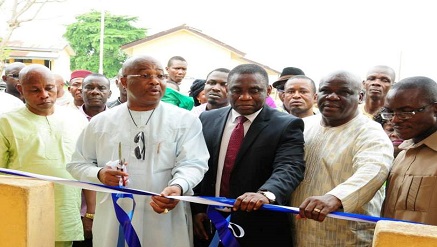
(125,220)
(221,222)
(222,226)
(284,209)
(341,215)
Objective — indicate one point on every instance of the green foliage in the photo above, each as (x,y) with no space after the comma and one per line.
(84,38)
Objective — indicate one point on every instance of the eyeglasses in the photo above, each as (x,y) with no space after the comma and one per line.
(149,77)
(403,115)
(140,153)
(15,76)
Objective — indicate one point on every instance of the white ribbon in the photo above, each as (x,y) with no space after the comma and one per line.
(195,199)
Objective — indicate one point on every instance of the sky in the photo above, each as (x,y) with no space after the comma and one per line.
(317,36)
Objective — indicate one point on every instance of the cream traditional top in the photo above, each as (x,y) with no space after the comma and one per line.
(351,162)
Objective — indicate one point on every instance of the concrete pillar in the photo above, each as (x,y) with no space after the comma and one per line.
(27,212)
(401,234)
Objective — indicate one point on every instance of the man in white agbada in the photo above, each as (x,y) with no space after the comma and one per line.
(9,102)
(165,152)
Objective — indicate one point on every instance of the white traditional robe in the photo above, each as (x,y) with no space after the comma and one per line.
(8,102)
(176,153)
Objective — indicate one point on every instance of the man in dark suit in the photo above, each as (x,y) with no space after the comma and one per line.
(268,166)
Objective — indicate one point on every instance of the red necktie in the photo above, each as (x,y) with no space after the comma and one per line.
(233,147)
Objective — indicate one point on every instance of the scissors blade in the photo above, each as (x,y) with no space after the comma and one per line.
(120,166)
(119,151)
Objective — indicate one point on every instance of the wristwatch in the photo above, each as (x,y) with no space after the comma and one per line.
(270,196)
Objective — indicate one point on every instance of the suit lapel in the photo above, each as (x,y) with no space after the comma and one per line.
(260,122)
(217,129)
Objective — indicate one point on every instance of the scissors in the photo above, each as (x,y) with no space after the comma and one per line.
(121,166)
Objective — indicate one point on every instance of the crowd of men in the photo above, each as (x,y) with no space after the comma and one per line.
(350,145)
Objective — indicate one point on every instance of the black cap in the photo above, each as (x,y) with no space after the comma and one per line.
(286,74)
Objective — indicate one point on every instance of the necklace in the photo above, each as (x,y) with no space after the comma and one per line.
(130,114)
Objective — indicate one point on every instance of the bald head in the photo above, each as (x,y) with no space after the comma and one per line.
(11,78)
(60,82)
(378,81)
(426,87)
(59,79)
(35,72)
(354,81)
(38,87)
(137,63)
(338,97)
(383,69)
(144,80)
(14,66)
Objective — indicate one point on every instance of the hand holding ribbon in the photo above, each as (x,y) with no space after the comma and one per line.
(250,201)
(318,207)
(162,204)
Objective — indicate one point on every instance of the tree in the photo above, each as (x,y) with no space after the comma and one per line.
(84,38)
(16,13)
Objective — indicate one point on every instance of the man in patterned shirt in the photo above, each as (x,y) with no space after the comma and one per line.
(348,157)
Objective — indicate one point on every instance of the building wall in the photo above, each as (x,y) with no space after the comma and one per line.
(26,61)
(61,65)
(58,61)
(202,55)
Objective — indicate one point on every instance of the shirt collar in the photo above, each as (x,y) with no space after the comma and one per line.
(251,117)
(84,113)
(430,141)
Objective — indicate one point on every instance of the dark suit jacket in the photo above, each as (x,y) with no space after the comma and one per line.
(271,158)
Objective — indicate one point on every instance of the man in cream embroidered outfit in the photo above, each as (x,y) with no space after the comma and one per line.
(165,152)
(348,157)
